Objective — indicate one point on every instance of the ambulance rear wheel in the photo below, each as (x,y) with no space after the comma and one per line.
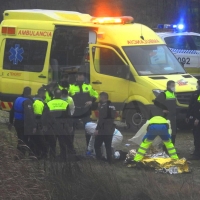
(136,117)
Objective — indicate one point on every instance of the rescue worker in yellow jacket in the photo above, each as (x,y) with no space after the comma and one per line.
(49,92)
(37,140)
(57,122)
(158,126)
(166,102)
(84,97)
(64,83)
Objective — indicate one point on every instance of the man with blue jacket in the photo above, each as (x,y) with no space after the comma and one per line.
(22,117)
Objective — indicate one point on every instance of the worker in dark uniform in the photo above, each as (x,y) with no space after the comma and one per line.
(22,116)
(37,140)
(56,118)
(84,97)
(105,127)
(192,118)
(166,102)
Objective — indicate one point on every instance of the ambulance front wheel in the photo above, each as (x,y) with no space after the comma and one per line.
(136,117)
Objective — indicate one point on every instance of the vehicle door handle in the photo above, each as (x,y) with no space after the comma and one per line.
(42,76)
(97,82)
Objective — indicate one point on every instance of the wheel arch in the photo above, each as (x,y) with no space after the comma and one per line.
(133,102)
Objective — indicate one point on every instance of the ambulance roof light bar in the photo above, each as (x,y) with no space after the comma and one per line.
(113,20)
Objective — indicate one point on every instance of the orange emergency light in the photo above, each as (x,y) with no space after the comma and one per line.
(8,30)
(112,20)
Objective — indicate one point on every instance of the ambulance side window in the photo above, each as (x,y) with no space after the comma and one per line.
(178,42)
(109,63)
(24,55)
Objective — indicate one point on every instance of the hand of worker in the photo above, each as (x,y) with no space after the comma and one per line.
(88,103)
(196,122)
(187,120)
(96,132)
(10,126)
(165,111)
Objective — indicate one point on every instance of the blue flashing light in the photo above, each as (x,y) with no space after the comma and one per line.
(174,27)
(180,26)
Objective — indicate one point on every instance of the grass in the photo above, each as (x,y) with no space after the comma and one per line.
(87,179)
(83,180)
(19,179)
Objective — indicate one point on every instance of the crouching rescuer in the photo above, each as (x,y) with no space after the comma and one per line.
(158,126)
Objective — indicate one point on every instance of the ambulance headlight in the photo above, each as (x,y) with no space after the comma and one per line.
(157,92)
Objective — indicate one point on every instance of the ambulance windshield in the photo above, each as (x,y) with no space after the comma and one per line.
(153,60)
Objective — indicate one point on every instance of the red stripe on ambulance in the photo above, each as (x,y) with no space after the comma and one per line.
(10,104)
(3,105)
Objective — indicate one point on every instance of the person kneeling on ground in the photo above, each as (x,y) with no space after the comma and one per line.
(117,139)
(158,126)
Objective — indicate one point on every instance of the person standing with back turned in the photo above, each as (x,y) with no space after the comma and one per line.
(166,102)
(22,116)
(105,127)
(84,96)
(37,141)
(56,117)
